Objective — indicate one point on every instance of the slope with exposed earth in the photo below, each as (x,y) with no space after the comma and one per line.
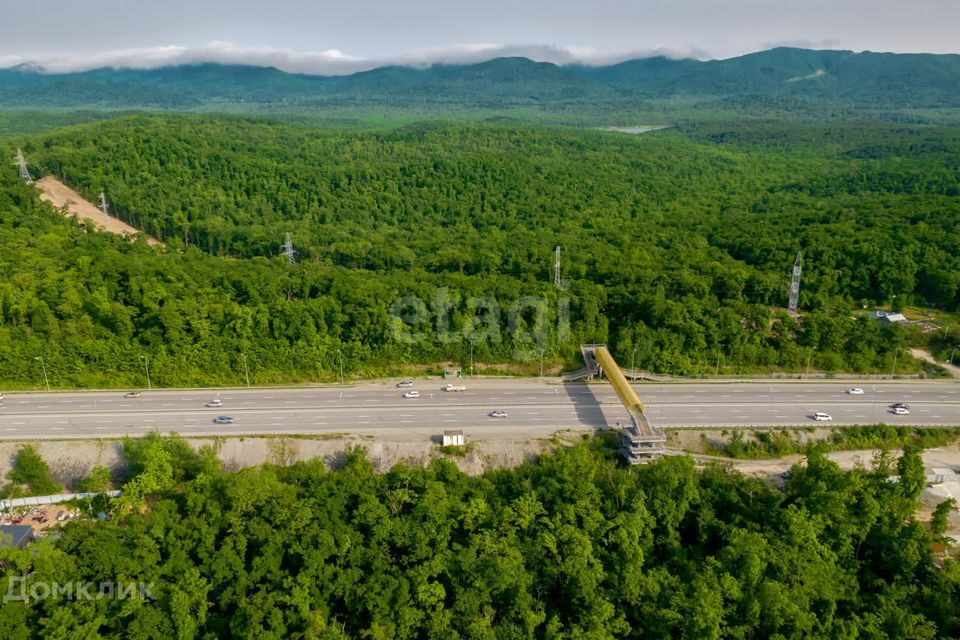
(63,197)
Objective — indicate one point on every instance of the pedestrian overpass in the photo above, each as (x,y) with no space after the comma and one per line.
(640,441)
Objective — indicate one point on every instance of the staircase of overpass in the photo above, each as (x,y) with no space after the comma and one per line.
(640,442)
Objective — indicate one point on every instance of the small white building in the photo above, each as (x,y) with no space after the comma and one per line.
(453,438)
(889,317)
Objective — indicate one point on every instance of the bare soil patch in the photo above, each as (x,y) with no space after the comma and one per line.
(62,196)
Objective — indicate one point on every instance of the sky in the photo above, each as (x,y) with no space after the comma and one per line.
(318,36)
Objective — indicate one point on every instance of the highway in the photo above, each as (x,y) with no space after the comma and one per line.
(534,408)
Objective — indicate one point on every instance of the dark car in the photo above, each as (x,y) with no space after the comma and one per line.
(223,420)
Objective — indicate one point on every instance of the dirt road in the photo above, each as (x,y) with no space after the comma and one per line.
(60,195)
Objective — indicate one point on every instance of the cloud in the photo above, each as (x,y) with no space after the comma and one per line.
(826,43)
(329,62)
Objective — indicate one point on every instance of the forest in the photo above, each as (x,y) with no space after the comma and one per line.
(431,243)
(570,546)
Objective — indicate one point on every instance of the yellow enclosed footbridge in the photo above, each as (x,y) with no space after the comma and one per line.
(640,442)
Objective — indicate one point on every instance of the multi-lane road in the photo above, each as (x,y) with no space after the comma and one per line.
(534,408)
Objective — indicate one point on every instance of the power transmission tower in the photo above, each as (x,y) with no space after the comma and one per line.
(288,250)
(24,173)
(795,283)
(103,204)
(557,281)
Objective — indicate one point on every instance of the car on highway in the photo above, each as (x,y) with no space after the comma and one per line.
(900,405)
(454,387)
(132,394)
(404,384)
(820,415)
(900,411)
(223,420)
(412,394)
(856,391)
(498,413)
(216,402)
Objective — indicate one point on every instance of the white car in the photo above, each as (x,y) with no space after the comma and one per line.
(901,411)
(412,394)
(405,384)
(498,413)
(856,391)
(820,415)
(132,394)
(216,402)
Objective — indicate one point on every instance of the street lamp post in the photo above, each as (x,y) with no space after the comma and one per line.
(471,358)
(633,358)
(340,356)
(246,371)
(953,352)
(809,359)
(46,380)
(893,369)
(146,367)
(717,374)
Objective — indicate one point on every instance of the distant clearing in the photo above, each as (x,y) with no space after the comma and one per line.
(60,195)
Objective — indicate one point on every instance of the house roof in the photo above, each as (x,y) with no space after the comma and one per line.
(15,535)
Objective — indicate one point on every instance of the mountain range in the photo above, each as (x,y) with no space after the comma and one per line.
(855,79)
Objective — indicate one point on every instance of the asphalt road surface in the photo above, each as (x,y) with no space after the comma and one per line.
(534,409)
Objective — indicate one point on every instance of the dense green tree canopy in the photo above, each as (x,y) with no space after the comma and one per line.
(677,247)
(570,547)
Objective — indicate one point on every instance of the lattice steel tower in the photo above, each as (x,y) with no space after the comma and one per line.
(24,172)
(557,281)
(795,283)
(288,250)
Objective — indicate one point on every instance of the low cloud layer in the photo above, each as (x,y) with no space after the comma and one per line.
(330,62)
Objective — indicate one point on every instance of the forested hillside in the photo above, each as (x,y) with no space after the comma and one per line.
(826,82)
(569,547)
(415,243)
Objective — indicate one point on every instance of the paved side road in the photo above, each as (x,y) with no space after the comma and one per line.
(534,409)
